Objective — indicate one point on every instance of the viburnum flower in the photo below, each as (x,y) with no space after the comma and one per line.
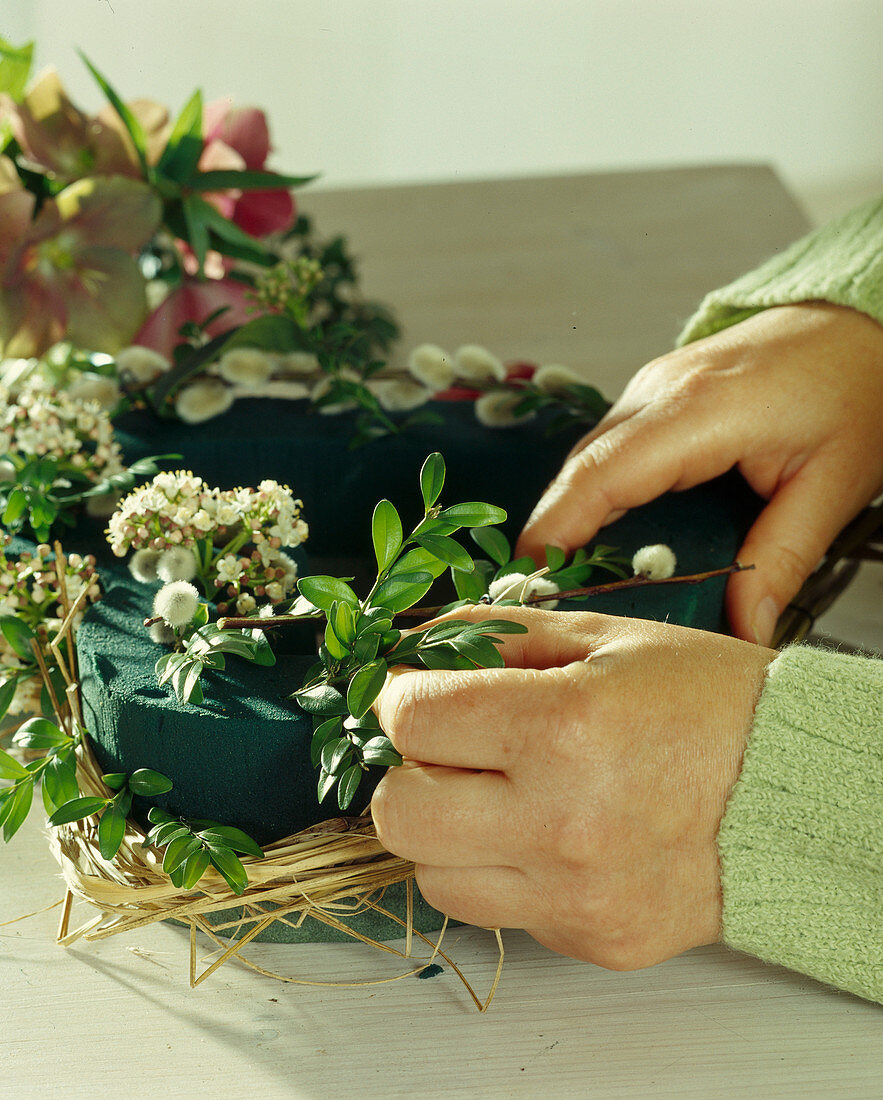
(40,421)
(30,590)
(68,272)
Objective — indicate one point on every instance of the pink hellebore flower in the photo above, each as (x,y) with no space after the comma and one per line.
(69,273)
(238,139)
(194,300)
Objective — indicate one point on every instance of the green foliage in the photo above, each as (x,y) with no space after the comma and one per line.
(204,645)
(361,643)
(191,847)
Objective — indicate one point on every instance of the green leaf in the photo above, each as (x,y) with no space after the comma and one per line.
(334,754)
(149,783)
(7,694)
(323,590)
(386,533)
(193,868)
(181,155)
(473,514)
(192,692)
(136,133)
(448,551)
(10,767)
(322,734)
(226,836)
(432,479)
(379,750)
(493,626)
(374,620)
(444,657)
(166,833)
(365,687)
(555,558)
(494,543)
(15,67)
(326,784)
(479,649)
(470,586)
(345,623)
(225,179)
(178,850)
(115,780)
(333,644)
(419,560)
(76,809)
(230,868)
(60,780)
(197,230)
(16,810)
(321,699)
(16,503)
(365,648)
(349,783)
(111,830)
(19,636)
(399,591)
(158,816)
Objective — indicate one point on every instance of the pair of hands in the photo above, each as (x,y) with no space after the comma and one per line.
(578,792)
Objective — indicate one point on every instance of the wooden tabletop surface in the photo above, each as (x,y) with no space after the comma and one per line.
(597,272)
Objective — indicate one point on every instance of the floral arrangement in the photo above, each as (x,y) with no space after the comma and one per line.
(228,542)
(36,590)
(159,263)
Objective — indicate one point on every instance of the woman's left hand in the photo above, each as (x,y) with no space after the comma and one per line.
(576,793)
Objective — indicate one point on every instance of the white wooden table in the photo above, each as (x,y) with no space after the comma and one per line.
(597,272)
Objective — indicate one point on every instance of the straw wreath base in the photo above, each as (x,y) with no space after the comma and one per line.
(332,873)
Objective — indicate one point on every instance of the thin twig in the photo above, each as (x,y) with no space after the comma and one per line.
(597,589)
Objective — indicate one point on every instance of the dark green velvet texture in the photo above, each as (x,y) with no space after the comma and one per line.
(258,438)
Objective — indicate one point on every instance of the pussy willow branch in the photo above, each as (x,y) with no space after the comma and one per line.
(231,623)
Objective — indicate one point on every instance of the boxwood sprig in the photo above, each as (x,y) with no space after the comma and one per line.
(361,642)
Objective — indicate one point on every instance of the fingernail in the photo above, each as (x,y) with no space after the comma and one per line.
(765,618)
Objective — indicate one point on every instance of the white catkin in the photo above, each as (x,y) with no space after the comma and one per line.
(656,563)
(518,586)
(203,400)
(399,394)
(248,367)
(555,378)
(161,633)
(176,603)
(178,563)
(141,364)
(477,364)
(432,366)
(143,565)
(497,409)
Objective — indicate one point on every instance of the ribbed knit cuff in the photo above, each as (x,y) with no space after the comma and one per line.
(841,263)
(801,842)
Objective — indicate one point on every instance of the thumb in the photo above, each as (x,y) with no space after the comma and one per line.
(786,543)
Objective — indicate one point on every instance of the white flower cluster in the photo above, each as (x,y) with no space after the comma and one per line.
(176,523)
(30,591)
(39,420)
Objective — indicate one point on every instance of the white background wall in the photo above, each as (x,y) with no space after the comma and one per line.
(400,90)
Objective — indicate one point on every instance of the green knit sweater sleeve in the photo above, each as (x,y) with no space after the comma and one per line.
(801,842)
(840,263)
